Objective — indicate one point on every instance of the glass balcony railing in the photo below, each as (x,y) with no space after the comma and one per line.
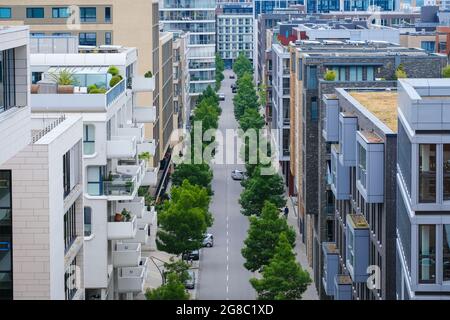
(115,92)
(120,185)
(88,147)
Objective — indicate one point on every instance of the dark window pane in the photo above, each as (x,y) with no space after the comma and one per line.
(427,253)
(5,13)
(427,173)
(35,13)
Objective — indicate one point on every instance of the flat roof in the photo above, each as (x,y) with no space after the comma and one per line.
(382,104)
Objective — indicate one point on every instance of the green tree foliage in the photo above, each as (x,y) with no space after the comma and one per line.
(400,72)
(179,267)
(262,92)
(210,95)
(330,75)
(184,219)
(246,97)
(283,278)
(173,289)
(208,114)
(220,67)
(196,174)
(446,71)
(242,65)
(251,119)
(263,236)
(259,189)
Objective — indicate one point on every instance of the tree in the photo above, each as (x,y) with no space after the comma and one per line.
(446,71)
(184,219)
(220,67)
(173,289)
(196,174)
(330,75)
(179,267)
(251,119)
(283,278)
(263,235)
(246,97)
(242,65)
(207,114)
(262,92)
(400,72)
(260,188)
(208,93)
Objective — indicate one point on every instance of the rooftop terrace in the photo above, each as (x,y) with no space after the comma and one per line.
(382,104)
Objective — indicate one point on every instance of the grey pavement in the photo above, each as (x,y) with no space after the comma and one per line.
(222,274)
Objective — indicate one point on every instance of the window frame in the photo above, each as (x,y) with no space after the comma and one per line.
(85,18)
(8,16)
(58,10)
(31,10)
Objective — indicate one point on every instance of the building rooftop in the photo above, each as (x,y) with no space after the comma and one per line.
(382,104)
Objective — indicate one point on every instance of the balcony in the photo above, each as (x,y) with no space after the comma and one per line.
(151,177)
(143,233)
(148,217)
(126,255)
(135,130)
(357,253)
(122,230)
(121,147)
(330,266)
(123,183)
(137,207)
(131,279)
(340,176)
(143,84)
(79,101)
(342,287)
(330,124)
(147,146)
(348,124)
(370,166)
(144,114)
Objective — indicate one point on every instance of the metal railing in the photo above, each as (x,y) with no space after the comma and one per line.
(37,136)
(115,92)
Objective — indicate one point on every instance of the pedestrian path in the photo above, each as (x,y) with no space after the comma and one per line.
(300,250)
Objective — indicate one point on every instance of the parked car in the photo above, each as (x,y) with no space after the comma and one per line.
(193,255)
(232,76)
(234,90)
(208,241)
(221,97)
(237,175)
(190,283)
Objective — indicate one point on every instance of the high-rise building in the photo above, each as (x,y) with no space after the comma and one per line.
(197,18)
(423,190)
(234,31)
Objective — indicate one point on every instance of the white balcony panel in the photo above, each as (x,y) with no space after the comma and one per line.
(148,217)
(136,207)
(127,255)
(121,147)
(348,124)
(133,131)
(131,279)
(143,84)
(144,114)
(142,234)
(330,124)
(151,177)
(122,230)
(147,146)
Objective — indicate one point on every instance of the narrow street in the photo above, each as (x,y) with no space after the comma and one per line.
(222,274)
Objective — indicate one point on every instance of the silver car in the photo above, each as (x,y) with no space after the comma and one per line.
(190,283)
(237,175)
(208,241)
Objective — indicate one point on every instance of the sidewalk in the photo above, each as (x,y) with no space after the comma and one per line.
(300,250)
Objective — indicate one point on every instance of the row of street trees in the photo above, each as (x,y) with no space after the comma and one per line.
(268,248)
(184,218)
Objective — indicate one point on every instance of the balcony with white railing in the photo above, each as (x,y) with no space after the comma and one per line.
(124,182)
(144,114)
(151,177)
(148,217)
(143,233)
(77,101)
(126,255)
(143,84)
(147,146)
(137,207)
(132,130)
(121,147)
(131,279)
(122,228)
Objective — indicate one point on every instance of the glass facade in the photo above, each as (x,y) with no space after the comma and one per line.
(7,80)
(427,173)
(427,253)
(6,278)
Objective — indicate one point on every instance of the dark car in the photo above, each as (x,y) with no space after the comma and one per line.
(190,283)
(193,255)
(232,76)
(234,90)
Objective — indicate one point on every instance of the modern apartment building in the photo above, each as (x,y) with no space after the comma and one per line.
(181,79)
(41,202)
(355,65)
(117,157)
(197,18)
(423,224)
(234,31)
(361,125)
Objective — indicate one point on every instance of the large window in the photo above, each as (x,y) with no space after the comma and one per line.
(87,221)
(70,227)
(311,77)
(108,38)
(88,14)
(66,173)
(70,280)
(94,180)
(362,168)
(89,139)
(7,80)
(446,252)
(63,12)
(88,39)
(6,287)
(108,14)
(446,171)
(5,13)
(427,173)
(427,253)
(33,13)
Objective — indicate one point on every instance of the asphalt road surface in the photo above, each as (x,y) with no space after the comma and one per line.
(222,274)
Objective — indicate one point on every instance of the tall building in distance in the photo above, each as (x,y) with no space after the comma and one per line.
(269,6)
(196,17)
(234,31)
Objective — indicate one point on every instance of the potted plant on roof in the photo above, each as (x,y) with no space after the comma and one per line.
(65,81)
